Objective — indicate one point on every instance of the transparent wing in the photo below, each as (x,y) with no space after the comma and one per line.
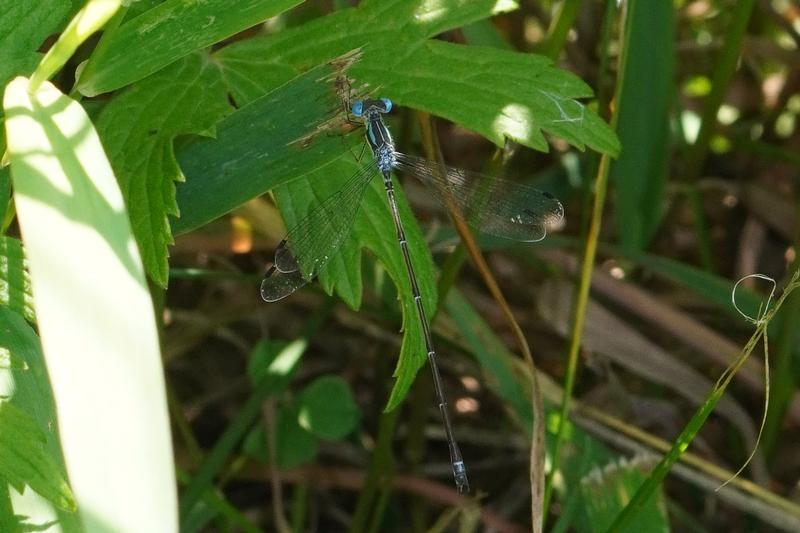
(309,245)
(492,205)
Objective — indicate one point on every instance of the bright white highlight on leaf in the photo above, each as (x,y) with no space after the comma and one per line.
(504,6)
(288,357)
(431,10)
(513,121)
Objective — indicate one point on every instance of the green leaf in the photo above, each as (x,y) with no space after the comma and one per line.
(640,173)
(261,146)
(138,128)
(15,284)
(267,366)
(168,32)
(294,444)
(23,28)
(373,229)
(94,313)
(497,93)
(327,409)
(25,458)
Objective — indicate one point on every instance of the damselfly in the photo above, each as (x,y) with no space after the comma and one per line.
(495,206)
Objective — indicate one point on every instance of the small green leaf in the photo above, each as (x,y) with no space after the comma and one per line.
(294,444)
(640,173)
(274,361)
(25,458)
(168,32)
(15,283)
(94,313)
(138,128)
(326,408)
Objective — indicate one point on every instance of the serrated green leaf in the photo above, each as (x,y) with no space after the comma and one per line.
(168,32)
(15,283)
(26,460)
(138,128)
(94,312)
(373,229)
(497,93)
(260,146)
(327,409)
(24,385)
(640,173)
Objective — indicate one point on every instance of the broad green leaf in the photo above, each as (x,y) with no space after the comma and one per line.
(25,391)
(25,458)
(138,128)
(606,491)
(23,28)
(261,146)
(168,32)
(15,284)
(94,312)
(327,409)
(640,173)
(497,93)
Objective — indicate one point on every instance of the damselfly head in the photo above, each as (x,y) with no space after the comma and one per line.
(363,107)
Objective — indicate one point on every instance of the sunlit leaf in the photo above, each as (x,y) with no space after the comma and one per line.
(94,313)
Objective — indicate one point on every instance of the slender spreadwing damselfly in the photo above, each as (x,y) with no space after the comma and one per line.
(491,205)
